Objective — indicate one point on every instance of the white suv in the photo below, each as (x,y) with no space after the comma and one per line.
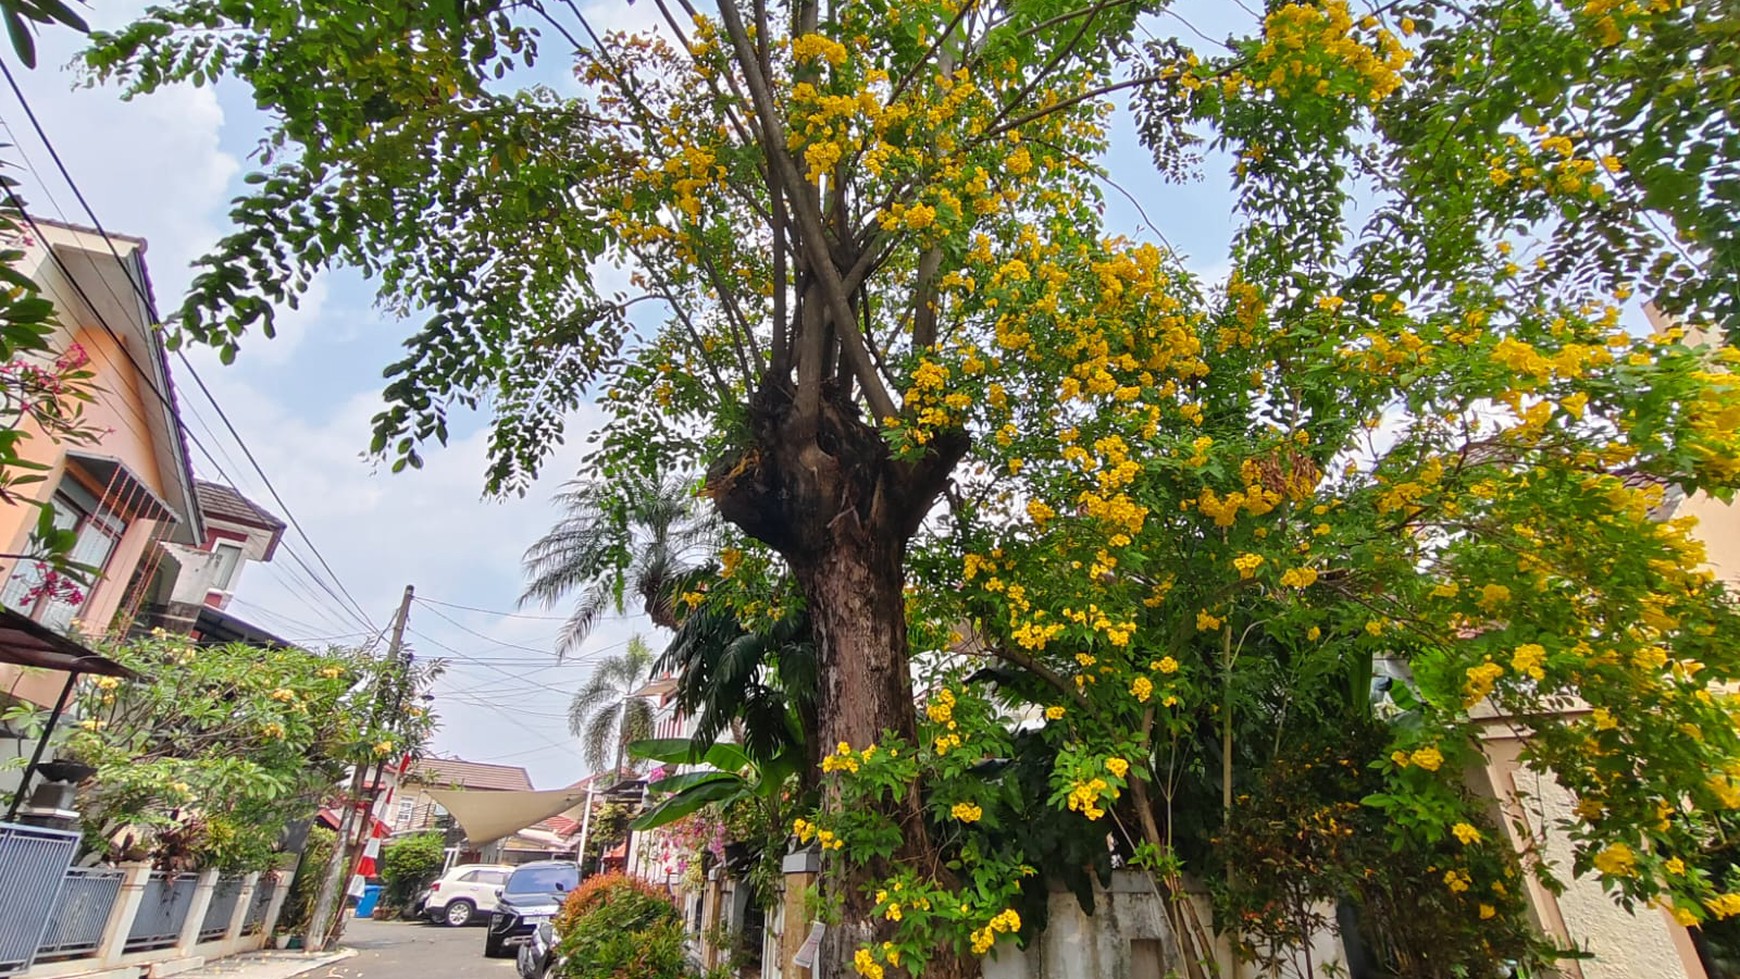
(455,899)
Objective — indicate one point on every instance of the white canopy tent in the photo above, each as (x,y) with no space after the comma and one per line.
(489,816)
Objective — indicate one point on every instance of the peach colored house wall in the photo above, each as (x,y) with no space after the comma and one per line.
(132,424)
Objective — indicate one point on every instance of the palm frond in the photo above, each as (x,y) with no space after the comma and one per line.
(580,622)
(599,741)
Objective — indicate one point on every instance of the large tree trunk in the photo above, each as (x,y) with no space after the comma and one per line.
(829,498)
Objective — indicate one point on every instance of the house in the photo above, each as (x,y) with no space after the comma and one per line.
(191,589)
(134,490)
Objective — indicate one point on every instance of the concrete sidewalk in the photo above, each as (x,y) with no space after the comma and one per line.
(269,964)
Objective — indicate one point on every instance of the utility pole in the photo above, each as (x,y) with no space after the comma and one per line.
(325,924)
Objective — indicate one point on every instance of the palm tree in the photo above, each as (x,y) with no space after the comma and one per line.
(615,540)
(605,714)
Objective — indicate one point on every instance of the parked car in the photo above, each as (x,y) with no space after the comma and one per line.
(531,897)
(462,893)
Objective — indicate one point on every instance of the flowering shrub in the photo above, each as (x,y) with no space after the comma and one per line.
(203,762)
(614,926)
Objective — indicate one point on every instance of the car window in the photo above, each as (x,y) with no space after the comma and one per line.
(494,878)
(469,877)
(543,880)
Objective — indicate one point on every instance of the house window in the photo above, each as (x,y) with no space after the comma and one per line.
(228,556)
(99,530)
(403,819)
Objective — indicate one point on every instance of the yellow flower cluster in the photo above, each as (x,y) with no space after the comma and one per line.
(1141,688)
(866,965)
(1529,658)
(1206,622)
(1428,758)
(844,759)
(1084,797)
(1117,766)
(1457,880)
(1310,46)
(1480,682)
(283,695)
(1299,577)
(941,708)
(1466,833)
(1724,905)
(966,812)
(1247,564)
(984,938)
(946,743)
(1053,713)
(1616,860)
(810,47)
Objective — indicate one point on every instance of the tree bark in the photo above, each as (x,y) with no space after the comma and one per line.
(829,497)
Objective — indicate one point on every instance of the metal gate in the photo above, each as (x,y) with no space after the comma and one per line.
(33,865)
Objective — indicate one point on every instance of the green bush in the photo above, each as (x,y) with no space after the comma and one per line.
(408,864)
(628,933)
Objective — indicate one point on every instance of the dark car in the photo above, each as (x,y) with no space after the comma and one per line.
(533,894)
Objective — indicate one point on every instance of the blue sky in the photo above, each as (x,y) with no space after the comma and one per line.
(165,167)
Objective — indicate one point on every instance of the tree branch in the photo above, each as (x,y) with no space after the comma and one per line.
(809,222)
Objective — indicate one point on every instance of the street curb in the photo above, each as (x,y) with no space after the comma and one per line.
(329,958)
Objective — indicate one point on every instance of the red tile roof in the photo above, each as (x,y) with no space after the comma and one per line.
(456,773)
(220,502)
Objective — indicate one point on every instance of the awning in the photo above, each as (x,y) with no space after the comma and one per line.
(489,816)
(26,642)
(112,472)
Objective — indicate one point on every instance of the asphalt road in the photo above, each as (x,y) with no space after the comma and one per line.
(407,950)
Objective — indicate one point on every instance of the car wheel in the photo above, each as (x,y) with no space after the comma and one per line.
(458,913)
(492,947)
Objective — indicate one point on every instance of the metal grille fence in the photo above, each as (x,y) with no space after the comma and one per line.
(255,922)
(162,911)
(86,900)
(33,862)
(221,909)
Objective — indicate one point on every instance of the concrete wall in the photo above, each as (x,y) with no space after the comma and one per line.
(1127,937)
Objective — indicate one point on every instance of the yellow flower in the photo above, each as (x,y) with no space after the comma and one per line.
(1456,880)
(1675,866)
(1466,833)
(1528,659)
(1616,861)
(1428,758)
(1117,766)
(1299,577)
(1039,512)
(1206,622)
(1492,596)
(1314,633)
(1142,688)
(1247,564)
(966,812)
(1053,713)
(1487,911)
(866,964)
(1167,665)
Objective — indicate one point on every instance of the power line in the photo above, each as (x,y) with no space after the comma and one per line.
(496,612)
(151,310)
(491,639)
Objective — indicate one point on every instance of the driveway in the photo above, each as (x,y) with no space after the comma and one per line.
(408,950)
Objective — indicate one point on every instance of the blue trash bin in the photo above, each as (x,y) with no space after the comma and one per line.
(371,896)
